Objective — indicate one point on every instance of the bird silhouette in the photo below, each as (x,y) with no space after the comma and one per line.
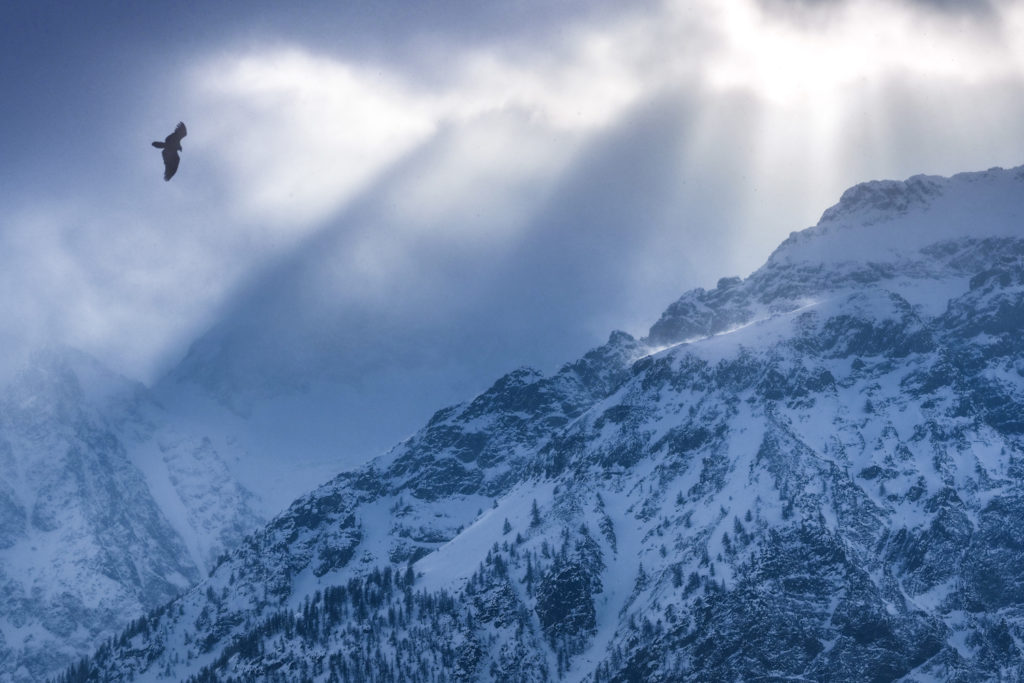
(171,146)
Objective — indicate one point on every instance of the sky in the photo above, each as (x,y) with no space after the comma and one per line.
(416,197)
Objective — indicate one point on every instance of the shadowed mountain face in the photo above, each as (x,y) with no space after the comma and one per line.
(812,473)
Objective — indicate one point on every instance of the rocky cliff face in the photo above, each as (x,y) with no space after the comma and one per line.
(815,472)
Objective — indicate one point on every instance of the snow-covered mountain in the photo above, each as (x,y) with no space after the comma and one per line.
(814,472)
(107,510)
(81,539)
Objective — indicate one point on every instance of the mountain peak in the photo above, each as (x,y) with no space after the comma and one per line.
(886,197)
(887,220)
(910,234)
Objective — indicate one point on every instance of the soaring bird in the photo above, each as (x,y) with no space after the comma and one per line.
(171,146)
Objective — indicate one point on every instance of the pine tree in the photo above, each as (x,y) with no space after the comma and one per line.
(641,579)
(528,579)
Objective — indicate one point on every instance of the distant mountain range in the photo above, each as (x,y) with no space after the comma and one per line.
(811,473)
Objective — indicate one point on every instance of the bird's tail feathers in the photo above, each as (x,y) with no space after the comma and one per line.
(158,145)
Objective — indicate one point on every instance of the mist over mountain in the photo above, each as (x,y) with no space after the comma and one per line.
(409,300)
(811,472)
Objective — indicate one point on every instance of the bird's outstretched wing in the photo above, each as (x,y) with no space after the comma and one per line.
(171,160)
(175,137)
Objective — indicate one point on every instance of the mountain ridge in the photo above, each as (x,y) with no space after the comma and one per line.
(810,472)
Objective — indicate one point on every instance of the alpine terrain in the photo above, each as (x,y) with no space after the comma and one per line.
(115,498)
(814,473)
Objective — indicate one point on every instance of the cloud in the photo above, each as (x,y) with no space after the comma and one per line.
(304,138)
(979,7)
(532,187)
(851,46)
(297,135)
